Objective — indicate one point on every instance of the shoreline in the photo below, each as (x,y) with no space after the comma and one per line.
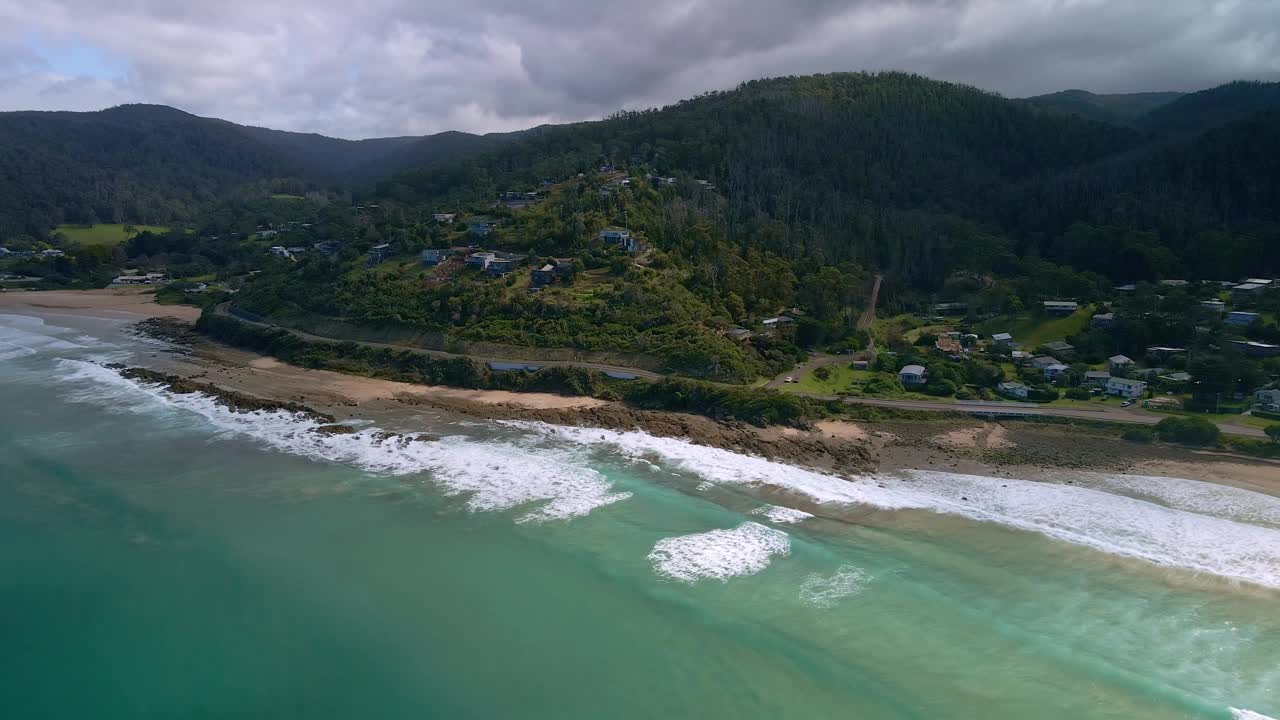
(843,447)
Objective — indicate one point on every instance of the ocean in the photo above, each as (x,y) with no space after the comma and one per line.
(163,557)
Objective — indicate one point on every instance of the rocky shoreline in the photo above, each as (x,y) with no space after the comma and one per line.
(230,399)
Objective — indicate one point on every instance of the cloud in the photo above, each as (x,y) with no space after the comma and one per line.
(384,67)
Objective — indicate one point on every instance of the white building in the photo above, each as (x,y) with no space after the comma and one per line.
(913,375)
(1126,388)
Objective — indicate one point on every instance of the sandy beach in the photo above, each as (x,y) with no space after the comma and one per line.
(1013,449)
(118,303)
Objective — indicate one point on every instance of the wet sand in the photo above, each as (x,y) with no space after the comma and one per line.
(115,303)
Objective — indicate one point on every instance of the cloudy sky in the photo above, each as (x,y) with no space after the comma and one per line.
(390,67)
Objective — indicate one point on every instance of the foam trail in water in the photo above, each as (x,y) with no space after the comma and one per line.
(1221,501)
(782,515)
(1238,714)
(719,554)
(495,476)
(825,591)
(1173,536)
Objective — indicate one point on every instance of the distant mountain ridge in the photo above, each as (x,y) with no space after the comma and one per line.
(1118,109)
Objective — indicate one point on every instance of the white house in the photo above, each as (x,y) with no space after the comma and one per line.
(1214,306)
(1013,389)
(480,259)
(1119,362)
(1004,340)
(1060,307)
(1268,399)
(1124,387)
(913,375)
(615,236)
(443,218)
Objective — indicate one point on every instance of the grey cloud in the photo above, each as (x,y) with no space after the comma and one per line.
(397,66)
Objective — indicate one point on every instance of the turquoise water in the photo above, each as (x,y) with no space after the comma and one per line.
(160,557)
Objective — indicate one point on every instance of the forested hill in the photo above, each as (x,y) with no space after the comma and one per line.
(1120,109)
(921,178)
(155,164)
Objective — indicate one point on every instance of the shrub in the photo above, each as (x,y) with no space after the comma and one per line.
(1077,393)
(1139,435)
(1188,431)
(822,373)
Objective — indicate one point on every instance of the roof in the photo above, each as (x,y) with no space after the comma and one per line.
(1061,303)
(1104,316)
(1248,287)
(1095,374)
(912,370)
(1045,360)
(1059,367)
(1060,346)
(1012,386)
(1126,382)
(1120,360)
(1002,336)
(1177,376)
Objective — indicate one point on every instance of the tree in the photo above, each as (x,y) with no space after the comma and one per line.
(1273,432)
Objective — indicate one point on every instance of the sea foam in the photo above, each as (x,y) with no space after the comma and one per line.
(719,554)
(825,591)
(495,476)
(1184,533)
(1238,714)
(782,515)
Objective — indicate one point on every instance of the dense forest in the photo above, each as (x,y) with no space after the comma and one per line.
(156,165)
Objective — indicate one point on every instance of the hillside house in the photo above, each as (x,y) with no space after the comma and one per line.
(1247,293)
(1102,320)
(1004,341)
(328,248)
(51,253)
(545,275)
(912,375)
(279,251)
(1097,378)
(1020,357)
(444,218)
(1216,307)
(1268,399)
(1061,346)
(1242,319)
(950,347)
(1126,388)
(739,334)
(951,308)
(1043,362)
(480,259)
(1060,308)
(434,256)
(1119,363)
(1014,390)
(502,266)
(1053,372)
(379,254)
(1160,353)
(480,228)
(1253,348)
(615,236)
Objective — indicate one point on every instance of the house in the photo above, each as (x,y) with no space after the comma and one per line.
(1176,378)
(379,254)
(615,235)
(296,250)
(1213,306)
(1004,340)
(1268,399)
(130,280)
(1258,281)
(860,364)
(501,266)
(1060,307)
(1014,390)
(1021,357)
(951,308)
(279,251)
(480,228)
(443,218)
(912,375)
(51,253)
(1125,288)
(950,347)
(1119,362)
(1060,346)
(1102,320)
(433,256)
(777,322)
(1148,373)
(1053,372)
(1042,362)
(263,234)
(328,248)
(1242,319)
(633,245)
(1160,353)
(1097,378)
(1256,349)
(1247,293)
(740,334)
(1126,388)
(545,275)
(4,252)
(480,259)
(1174,283)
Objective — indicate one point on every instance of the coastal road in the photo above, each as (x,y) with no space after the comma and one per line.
(1116,414)
(611,370)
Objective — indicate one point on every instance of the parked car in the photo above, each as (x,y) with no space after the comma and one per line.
(789,379)
(1126,403)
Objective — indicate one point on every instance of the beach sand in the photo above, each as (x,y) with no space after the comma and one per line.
(118,303)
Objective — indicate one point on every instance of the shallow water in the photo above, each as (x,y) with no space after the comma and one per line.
(162,557)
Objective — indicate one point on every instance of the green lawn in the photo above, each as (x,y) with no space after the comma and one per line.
(105,234)
(1030,331)
(841,377)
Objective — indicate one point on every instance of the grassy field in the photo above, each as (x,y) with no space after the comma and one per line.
(841,377)
(105,234)
(1030,332)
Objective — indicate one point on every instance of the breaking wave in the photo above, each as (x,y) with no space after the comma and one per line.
(826,591)
(719,554)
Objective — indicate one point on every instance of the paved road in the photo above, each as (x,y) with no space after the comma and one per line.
(615,370)
(1110,414)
